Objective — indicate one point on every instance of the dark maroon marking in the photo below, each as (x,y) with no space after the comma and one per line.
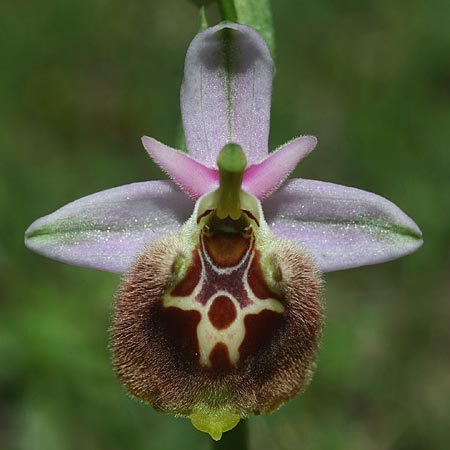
(226,249)
(231,282)
(181,329)
(251,216)
(187,285)
(207,212)
(259,331)
(219,357)
(257,281)
(222,312)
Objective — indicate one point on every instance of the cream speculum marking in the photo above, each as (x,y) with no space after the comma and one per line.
(230,286)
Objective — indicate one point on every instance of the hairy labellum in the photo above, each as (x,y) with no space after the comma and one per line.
(218,322)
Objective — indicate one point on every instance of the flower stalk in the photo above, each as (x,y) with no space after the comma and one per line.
(227,10)
(255,13)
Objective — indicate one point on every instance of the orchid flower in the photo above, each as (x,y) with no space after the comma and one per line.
(219,313)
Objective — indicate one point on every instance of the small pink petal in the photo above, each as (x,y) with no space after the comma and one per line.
(265,177)
(193,177)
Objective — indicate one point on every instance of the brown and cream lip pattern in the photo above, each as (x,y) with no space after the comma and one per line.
(224,284)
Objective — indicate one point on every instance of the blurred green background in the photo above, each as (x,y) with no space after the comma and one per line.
(81,81)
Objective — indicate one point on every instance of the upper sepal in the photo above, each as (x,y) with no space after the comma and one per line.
(226,93)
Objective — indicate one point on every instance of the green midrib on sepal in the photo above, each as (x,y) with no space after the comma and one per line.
(69,230)
(66,228)
(374,226)
(59,228)
(229,60)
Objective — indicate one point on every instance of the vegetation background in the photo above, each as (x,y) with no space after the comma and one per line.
(81,81)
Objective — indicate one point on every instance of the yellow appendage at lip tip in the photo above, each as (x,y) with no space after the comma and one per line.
(214,423)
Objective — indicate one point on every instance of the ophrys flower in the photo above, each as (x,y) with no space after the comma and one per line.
(219,315)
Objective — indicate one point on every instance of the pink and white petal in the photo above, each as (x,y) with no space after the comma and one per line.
(107,230)
(226,93)
(265,177)
(341,227)
(193,177)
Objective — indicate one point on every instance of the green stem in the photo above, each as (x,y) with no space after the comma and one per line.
(227,10)
(236,439)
